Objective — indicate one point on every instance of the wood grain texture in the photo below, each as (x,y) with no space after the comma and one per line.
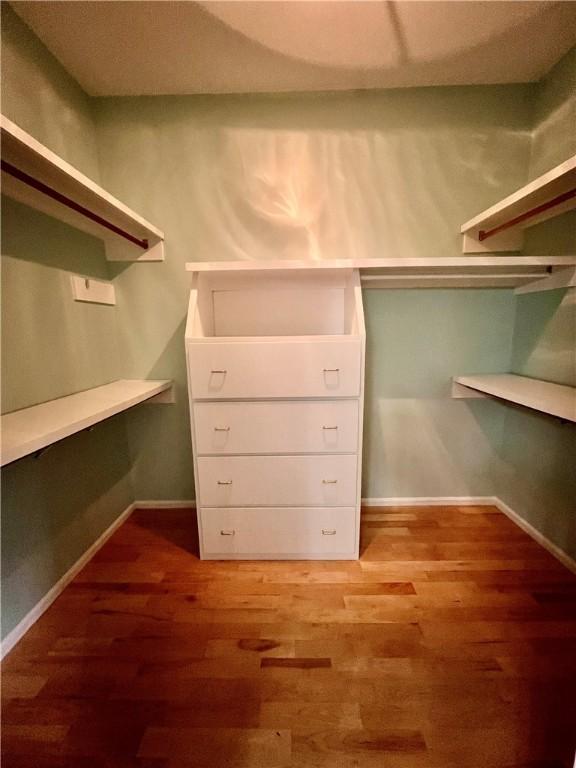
(450,644)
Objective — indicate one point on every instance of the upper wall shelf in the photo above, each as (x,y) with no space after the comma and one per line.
(36,176)
(554,399)
(521,272)
(31,429)
(500,228)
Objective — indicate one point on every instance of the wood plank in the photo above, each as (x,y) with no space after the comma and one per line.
(296,663)
(258,747)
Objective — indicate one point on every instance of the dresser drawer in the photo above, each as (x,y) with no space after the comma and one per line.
(237,481)
(278,531)
(284,369)
(277,427)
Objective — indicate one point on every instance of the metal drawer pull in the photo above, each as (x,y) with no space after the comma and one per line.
(218,371)
(329,482)
(331,370)
(221,429)
(328,531)
(224,482)
(227,533)
(329,427)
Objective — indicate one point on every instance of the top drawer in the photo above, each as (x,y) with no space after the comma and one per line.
(275,368)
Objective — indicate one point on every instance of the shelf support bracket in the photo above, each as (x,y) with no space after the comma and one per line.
(562,278)
(118,250)
(460,392)
(167,396)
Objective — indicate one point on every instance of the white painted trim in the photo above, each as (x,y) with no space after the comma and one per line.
(480,280)
(117,250)
(388,501)
(92,291)
(165,504)
(31,429)
(428,501)
(32,616)
(374,265)
(34,158)
(554,182)
(562,278)
(538,537)
(460,392)
(556,400)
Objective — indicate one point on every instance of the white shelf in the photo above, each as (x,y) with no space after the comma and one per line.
(447,272)
(32,158)
(553,399)
(558,181)
(31,429)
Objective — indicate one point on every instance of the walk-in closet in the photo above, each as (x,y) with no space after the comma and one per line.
(288,351)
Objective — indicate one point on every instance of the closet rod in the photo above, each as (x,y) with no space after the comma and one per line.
(482,235)
(59,197)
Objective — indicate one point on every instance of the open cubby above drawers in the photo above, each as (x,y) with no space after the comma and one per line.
(282,304)
(282,335)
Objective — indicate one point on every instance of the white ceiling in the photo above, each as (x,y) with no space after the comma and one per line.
(167,47)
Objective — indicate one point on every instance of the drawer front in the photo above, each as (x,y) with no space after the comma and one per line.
(260,369)
(237,481)
(276,427)
(280,531)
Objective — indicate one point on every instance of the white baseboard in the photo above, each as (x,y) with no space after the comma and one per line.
(32,616)
(428,501)
(416,501)
(164,504)
(538,537)
(445,501)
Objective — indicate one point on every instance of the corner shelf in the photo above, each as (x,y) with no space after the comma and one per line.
(34,175)
(32,429)
(554,399)
(499,228)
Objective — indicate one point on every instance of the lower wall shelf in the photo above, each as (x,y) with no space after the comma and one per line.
(34,428)
(554,399)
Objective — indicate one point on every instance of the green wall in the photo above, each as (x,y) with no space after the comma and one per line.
(537,454)
(545,336)
(54,507)
(554,135)
(51,345)
(418,441)
(399,171)
(43,99)
(538,478)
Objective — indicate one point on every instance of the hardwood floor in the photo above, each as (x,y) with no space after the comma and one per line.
(450,644)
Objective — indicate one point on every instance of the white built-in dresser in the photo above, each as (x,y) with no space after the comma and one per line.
(276,383)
